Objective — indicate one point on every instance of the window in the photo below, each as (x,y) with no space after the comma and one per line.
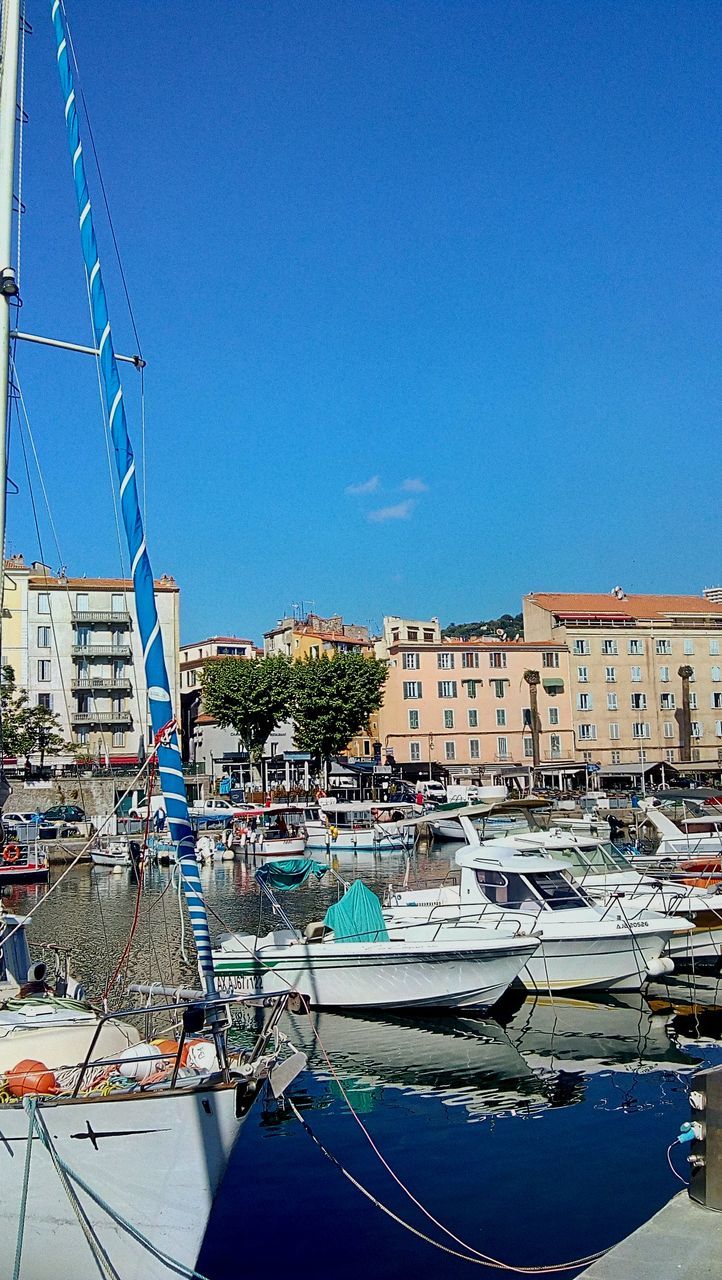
(119,669)
(414,750)
(474,749)
(640,729)
(692,676)
(668,729)
(501,718)
(664,646)
(45,700)
(716,674)
(414,719)
(635,673)
(497,659)
(670,755)
(410,661)
(584,702)
(428,637)
(471,687)
(82,637)
(587,732)
(117,604)
(412,689)
(118,738)
(116,639)
(43,602)
(445,661)
(666,701)
(611,702)
(498,687)
(450,750)
(583,675)
(718,728)
(693,701)
(556,746)
(43,669)
(664,674)
(616,757)
(550,659)
(82,736)
(713,648)
(610,646)
(610,675)
(696,729)
(528,748)
(412,634)
(688,648)
(502,748)
(447,688)
(581,646)
(554,715)
(82,603)
(614,732)
(448,719)
(43,637)
(473,718)
(634,646)
(638,701)
(715,701)
(469,660)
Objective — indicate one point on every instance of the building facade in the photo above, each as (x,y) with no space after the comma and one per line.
(203,741)
(626,687)
(465,704)
(85,660)
(15,619)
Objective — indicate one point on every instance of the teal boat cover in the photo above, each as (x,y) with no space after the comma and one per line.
(290,873)
(357,916)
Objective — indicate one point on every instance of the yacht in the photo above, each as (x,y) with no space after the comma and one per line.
(359,826)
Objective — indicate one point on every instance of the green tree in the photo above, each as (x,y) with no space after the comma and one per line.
(250,696)
(333,699)
(26,729)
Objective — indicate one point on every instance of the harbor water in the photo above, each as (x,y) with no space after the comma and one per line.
(537,1136)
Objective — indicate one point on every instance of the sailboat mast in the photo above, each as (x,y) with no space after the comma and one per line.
(8,287)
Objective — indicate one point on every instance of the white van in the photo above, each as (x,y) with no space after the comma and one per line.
(433,791)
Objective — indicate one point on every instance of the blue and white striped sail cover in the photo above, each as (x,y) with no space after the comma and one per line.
(169,760)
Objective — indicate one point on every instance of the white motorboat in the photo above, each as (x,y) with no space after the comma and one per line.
(683,832)
(352,960)
(358,827)
(111,852)
(273,831)
(608,876)
(584,945)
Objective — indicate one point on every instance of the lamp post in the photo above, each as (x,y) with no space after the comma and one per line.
(533,679)
(686,721)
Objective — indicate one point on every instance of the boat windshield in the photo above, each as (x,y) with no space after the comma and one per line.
(544,889)
(599,858)
(557,892)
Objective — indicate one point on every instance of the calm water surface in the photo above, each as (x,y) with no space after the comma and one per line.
(537,1136)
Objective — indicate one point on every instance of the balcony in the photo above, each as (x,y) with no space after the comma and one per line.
(82,617)
(121,683)
(101,651)
(121,718)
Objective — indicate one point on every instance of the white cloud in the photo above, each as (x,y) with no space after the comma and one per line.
(414,485)
(366,486)
(401,511)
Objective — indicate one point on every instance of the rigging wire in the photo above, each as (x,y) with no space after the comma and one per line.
(21,130)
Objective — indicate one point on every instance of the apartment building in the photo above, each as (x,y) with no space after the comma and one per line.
(15,619)
(625,682)
(85,660)
(465,704)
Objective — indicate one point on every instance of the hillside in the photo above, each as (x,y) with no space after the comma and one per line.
(511,625)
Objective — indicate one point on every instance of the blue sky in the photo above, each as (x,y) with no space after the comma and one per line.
(429,294)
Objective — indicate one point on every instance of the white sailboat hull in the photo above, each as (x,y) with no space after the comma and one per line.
(377,839)
(156,1160)
(383,975)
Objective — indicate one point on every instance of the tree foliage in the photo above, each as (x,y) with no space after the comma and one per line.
(26,729)
(511,624)
(250,696)
(333,699)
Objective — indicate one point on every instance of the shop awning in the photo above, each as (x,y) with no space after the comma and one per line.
(553,684)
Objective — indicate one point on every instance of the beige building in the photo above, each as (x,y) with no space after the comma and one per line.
(203,741)
(465,705)
(626,652)
(15,619)
(85,660)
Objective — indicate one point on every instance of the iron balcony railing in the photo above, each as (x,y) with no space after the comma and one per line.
(119,619)
(101,651)
(109,682)
(102,717)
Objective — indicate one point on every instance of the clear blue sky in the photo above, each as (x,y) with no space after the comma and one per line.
(460,257)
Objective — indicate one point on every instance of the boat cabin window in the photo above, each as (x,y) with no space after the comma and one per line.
(557,892)
(507,890)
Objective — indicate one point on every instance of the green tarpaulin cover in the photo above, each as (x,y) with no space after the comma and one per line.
(357,917)
(290,873)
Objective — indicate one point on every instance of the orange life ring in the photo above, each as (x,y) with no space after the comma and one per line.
(11,853)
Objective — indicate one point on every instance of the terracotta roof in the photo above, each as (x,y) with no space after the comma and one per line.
(333,637)
(606,605)
(94,584)
(479,642)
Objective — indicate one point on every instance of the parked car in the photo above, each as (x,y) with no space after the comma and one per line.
(216,807)
(18,819)
(64,813)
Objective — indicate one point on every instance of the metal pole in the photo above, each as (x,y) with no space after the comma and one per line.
(72,346)
(8,109)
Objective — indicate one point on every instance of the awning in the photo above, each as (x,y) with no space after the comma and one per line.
(553,684)
(625,770)
(553,766)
